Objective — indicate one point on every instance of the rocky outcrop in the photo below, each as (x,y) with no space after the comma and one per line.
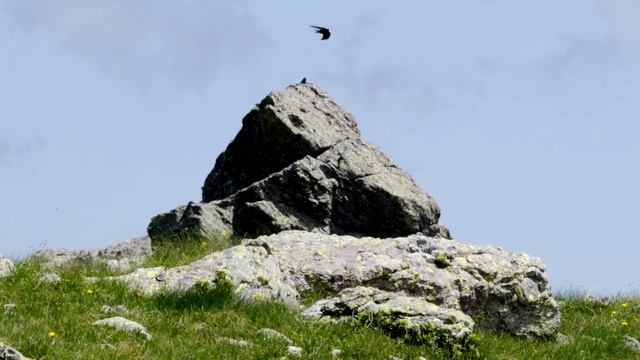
(117,257)
(298,163)
(6,266)
(435,278)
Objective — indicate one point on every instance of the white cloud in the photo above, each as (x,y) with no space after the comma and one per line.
(184,43)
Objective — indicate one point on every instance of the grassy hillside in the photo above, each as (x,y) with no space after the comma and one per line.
(54,321)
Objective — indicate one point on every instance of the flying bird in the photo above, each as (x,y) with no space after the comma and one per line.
(322,30)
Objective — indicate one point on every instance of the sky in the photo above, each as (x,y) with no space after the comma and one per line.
(521,118)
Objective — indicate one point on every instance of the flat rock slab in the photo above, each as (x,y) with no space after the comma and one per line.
(123,324)
(498,289)
(234,342)
(273,334)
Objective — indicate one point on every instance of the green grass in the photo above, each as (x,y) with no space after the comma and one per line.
(186,326)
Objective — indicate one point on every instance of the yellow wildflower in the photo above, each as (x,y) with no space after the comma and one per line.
(52,333)
(624,323)
(614,312)
(89,291)
(625,305)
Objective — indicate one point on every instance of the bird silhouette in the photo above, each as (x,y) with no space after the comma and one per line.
(322,30)
(304,81)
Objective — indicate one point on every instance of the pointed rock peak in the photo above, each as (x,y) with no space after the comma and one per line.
(298,163)
(284,127)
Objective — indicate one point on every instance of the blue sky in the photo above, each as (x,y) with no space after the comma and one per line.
(520,118)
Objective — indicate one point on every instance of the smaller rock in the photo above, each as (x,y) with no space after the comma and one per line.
(123,324)
(272,334)
(439,231)
(335,353)
(108,346)
(115,265)
(124,253)
(392,357)
(9,353)
(118,309)
(9,307)
(632,343)
(234,342)
(124,264)
(562,339)
(50,278)
(6,266)
(602,301)
(294,351)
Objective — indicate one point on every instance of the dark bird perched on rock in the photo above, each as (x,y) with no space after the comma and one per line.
(322,30)
(304,81)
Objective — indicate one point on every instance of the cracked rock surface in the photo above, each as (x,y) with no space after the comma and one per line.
(444,282)
(298,163)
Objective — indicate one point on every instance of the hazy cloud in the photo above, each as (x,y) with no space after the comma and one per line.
(10,152)
(622,19)
(185,43)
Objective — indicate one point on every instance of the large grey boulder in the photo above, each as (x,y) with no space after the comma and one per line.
(497,289)
(6,266)
(298,163)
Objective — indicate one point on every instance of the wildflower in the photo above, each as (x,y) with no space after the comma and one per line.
(614,312)
(89,291)
(625,305)
(52,333)
(624,323)
(204,243)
